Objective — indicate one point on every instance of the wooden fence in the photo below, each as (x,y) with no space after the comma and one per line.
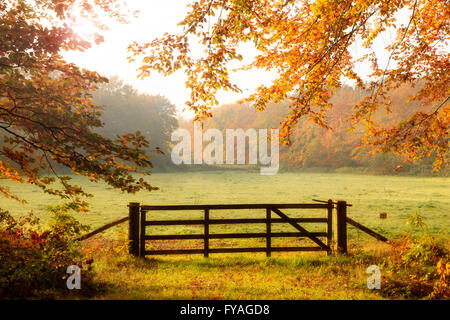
(140,218)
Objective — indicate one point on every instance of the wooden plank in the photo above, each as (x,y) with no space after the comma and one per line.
(142,234)
(102,228)
(133,228)
(297,234)
(235,235)
(264,235)
(340,227)
(236,250)
(330,226)
(206,234)
(301,229)
(330,201)
(277,249)
(268,231)
(281,249)
(237,206)
(366,230)
(178,251)
(175,237)
(231,250)
(174,222)
(230,221)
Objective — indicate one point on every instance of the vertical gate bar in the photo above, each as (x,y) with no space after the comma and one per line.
(206,240)
(341,227)
(268,231)
(329,225)
(133,228)
(142,235)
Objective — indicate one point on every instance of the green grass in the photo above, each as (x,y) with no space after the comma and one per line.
(235,276)
(251,276)
(399,197)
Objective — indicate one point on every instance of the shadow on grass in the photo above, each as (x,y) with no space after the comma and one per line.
(227,261)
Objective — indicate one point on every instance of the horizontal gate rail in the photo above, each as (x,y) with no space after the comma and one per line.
(229,221)
(230,250)
(238,206)
(235,235)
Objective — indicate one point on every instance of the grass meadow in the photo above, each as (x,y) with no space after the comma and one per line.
(251,276)
(398,196)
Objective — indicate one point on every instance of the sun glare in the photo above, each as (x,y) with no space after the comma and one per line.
(84,28)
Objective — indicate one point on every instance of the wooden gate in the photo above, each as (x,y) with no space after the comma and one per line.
(140,219)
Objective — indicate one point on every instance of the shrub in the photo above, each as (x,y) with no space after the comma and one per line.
(34,260)
(419,265)
(441,289)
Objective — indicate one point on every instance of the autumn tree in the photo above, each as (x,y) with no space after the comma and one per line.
(154,116)
(46,112)
(310,46)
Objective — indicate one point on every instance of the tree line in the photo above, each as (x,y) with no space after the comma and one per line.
(124,110)
(336,149)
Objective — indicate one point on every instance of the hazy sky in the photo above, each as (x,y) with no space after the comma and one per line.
(156,18)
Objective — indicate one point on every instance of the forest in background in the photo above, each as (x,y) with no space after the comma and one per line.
(126,110)
(312,149)
(318,149)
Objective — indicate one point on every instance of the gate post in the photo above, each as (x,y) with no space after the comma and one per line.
(330,226)
(142,235)
(206,233)
(340,227)
(133,228)
(268,231)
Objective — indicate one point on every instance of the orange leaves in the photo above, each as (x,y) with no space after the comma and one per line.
(421,135)
(46,112)
(9,173)
(309,44)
